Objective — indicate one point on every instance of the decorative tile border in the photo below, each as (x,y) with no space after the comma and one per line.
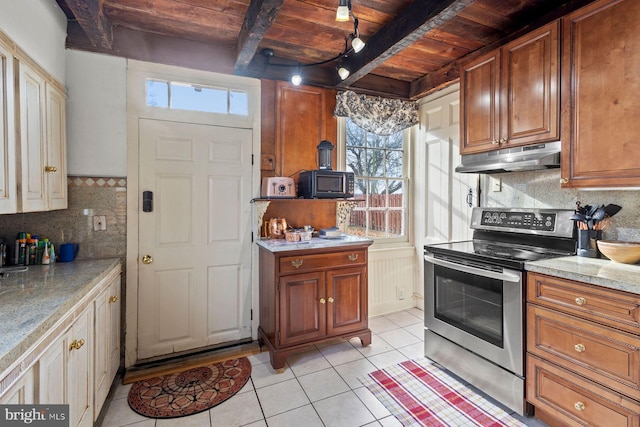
(89,181)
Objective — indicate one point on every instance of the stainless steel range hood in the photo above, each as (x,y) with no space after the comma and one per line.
(530,157)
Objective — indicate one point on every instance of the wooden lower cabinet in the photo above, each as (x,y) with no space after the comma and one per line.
(312,295)
(583,353)
(22,392)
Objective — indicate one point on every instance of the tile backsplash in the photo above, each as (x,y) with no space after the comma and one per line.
(541,189)
(88,197)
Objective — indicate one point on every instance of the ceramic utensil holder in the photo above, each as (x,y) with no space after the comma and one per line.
(587,243)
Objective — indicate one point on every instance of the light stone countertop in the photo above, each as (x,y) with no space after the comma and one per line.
(280,245)
(596,271)
(31,302)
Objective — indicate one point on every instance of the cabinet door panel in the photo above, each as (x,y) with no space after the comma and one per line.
(56,177)
(80,371)
(22,392)
(530,83)
(348,310)
(8,201)
(480,103)
(302,308)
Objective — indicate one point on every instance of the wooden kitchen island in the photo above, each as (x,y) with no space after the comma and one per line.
(311,292)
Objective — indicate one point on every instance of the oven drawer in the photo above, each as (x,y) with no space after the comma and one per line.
(603,354)
(297,264)
(614,308)
(576,401)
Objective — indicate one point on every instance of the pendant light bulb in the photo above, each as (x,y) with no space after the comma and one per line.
(357,44)
(343,72)
(296,79)
(342,14)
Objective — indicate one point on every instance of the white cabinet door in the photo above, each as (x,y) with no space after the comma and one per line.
(8,201)
(66,371)
(22,392)
(55,169)
(107,342)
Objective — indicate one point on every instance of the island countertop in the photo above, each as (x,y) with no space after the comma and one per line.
(31,302)
(280,245)
(596,271)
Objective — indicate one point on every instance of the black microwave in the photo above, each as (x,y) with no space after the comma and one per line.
(325,184)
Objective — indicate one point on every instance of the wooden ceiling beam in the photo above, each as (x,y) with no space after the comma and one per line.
(410,25)
(90,16)
(258,19)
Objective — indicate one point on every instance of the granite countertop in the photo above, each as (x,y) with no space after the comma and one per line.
(596,271)
(31,302)
(280,245)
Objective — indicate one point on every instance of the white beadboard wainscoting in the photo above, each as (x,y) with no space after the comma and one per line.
(392,273)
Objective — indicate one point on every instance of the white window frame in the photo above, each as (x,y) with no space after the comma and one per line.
(407,161)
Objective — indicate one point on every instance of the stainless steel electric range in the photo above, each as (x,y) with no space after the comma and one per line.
(475,291)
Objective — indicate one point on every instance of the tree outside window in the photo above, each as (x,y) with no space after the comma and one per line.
(378,163)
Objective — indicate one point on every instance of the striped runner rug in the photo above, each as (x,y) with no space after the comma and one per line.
(418,393)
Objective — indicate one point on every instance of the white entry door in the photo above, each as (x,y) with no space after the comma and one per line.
(195,243)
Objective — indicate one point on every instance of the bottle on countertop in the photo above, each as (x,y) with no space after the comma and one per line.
(16,250)
(3,252)
(46,255)
(52,254)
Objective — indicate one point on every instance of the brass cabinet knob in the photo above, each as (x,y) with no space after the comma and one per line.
(581,301)
(113,299)
(330,299)
(147,259)
(579,406)
(352,257)
(564,180)
(503,140)
(50,169)
(322,301)
(495,142)
(579,348)
(76,344)
(296,263)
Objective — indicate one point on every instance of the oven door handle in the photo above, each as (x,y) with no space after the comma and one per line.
(507,277)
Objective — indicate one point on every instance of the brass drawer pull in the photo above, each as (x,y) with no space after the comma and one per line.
(113,299)
(297,262)
(76,344)
(581,301)
(353,257)
(330,299)
(580,348)
(322,301)
(50,169)
(579,406)
(564,180)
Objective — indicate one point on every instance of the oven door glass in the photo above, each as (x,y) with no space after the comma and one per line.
(471,303)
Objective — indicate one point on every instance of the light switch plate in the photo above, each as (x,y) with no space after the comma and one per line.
(99,223)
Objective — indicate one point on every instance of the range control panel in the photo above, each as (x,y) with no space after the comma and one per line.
(541,221)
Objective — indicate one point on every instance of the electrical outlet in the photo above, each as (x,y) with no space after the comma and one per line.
(400,293)
(496,184)
(99,223)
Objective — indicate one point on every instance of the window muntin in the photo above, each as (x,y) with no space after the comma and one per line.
(379,165)
(192,97)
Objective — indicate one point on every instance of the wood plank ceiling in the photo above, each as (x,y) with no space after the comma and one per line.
(412,47)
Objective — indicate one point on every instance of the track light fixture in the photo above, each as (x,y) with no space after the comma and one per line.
(343,71)
(296,77)
(356,42)
(343,11)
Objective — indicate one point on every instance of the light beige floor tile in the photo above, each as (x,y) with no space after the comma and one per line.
(257,359)
(403,318)
(350,372)
(308,362)
(372,403)
(122,391)
(413,351)
(304,416)
(236,411)
(341,353)
(417,312)
(343,410)
(261,423)
(389,358)
(417,330)
(373,424)
(322,384)
(378,345)
(120,414)
(197,420)
(390,421)
(148,422)
(381,324)
(281,397)
(263,375)
(399,338)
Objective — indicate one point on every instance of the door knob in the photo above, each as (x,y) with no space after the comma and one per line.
(147,259)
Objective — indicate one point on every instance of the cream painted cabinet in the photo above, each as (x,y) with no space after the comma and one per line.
(42,142)
(66,370)
(8,201)
(22,392)
(107,342)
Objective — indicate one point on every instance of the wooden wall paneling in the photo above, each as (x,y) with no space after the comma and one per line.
(268,128)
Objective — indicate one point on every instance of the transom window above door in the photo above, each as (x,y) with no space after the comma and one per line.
(194,97)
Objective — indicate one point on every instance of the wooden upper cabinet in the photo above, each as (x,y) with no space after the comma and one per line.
(510,96)
(600,86)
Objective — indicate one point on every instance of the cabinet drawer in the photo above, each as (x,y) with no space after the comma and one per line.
(614,308)
(575,400)
(603,354)
(296,264)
